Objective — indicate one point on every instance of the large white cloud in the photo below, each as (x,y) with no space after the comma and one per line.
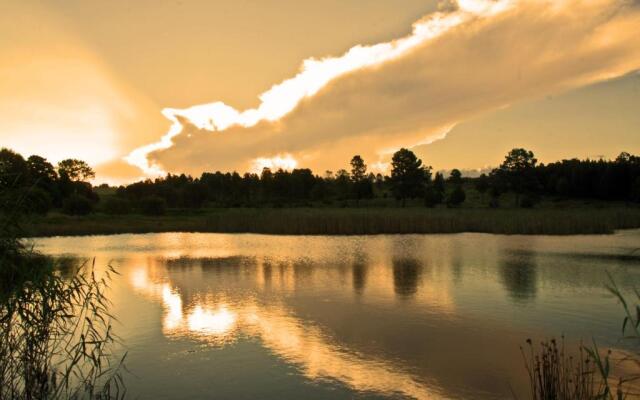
(479,57)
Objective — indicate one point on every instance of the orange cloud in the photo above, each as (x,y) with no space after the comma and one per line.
(481,56)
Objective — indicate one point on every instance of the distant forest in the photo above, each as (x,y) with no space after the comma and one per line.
(36,186)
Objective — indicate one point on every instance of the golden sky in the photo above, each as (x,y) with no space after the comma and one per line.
(147,87)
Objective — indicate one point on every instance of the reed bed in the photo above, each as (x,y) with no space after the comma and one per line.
(556,375)
(56,337)
(587,373)
(364,221)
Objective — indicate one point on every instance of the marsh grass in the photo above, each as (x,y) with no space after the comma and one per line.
(333,221)
(589,375)
(56,339)
(56,335)
(630,333)
(555,375)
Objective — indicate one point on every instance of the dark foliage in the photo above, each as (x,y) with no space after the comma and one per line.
(153,205)
(36,201)
(456,197)
(482,184)
(40,186)
(432,197)
(455,177)
(408,175)
(520,173)
(77,204)
(117,206)
(55,329)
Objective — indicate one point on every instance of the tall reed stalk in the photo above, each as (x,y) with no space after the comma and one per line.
(556,375)
(56,340)
(56,334)
(553,375)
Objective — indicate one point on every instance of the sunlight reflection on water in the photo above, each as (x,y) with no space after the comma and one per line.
(416,316)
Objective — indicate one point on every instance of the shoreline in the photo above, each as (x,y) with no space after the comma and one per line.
(348,222)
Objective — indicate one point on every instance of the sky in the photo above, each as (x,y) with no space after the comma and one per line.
(139,89)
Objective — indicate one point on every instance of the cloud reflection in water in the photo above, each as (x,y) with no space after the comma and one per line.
(218,321)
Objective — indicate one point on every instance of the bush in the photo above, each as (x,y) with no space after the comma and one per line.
(494,202)
(194,195)
(635,190)
(456,197)
(554,374)
(527,202)
(153,205)
(432,197)
(77,205)
(115,206)
(36,201)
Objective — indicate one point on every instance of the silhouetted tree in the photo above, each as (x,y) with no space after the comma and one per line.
(455,176)
(319,191)
(608,180)
(519,160)
(361,183)
(624,158)
(432,197)
(13,169)
(342,184)
(116,206)
(153,205)
(358,168)
(75,170)
(456,197)
(438,182)
(266,178)
(43,175)
(518,172)
(408,175)
(40,170)
(77,204)
(194,194)
(482,185)
(35,200)
(302,182)
(379,181)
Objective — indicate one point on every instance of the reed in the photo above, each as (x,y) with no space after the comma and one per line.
(555,375)
(56,334)
(56,338)
(626,385)
(331,221)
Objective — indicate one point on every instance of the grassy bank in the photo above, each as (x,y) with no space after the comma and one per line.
(332,221)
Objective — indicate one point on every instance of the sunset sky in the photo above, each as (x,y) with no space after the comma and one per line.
(141,88)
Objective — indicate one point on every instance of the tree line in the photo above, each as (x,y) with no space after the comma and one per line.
(34,185)
(43,186)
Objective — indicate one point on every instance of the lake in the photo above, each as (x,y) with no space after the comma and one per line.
(239,316)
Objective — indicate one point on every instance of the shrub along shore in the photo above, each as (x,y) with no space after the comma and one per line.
(348,221)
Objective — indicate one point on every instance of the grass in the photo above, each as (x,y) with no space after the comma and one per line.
(349,221)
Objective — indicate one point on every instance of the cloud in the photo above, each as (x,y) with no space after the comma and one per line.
(457,64)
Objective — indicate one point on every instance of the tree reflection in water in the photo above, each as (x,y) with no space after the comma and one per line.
(406,276)
(359,270)
(518,275)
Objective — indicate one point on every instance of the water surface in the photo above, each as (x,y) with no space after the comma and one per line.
(234,316)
